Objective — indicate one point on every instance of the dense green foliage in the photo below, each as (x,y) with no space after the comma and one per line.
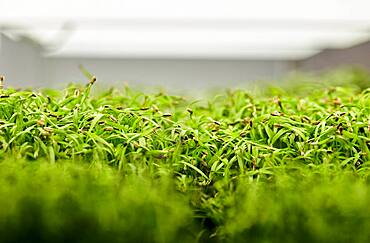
(287,164)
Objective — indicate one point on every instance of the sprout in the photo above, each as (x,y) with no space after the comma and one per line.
(92,80)
(237,167)
(2,79)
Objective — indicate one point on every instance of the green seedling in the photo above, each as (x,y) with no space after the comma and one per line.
(284,164)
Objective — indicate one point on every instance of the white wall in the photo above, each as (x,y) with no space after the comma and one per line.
(24,66)
(171,74)
(20,62)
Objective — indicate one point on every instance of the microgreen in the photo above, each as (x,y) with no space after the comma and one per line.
(237,165)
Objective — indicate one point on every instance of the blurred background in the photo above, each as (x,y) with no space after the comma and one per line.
(179,45)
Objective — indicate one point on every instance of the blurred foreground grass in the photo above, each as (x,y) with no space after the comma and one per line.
(290,164)
(75,203)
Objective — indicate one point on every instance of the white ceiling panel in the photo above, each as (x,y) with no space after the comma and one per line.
(236,29)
